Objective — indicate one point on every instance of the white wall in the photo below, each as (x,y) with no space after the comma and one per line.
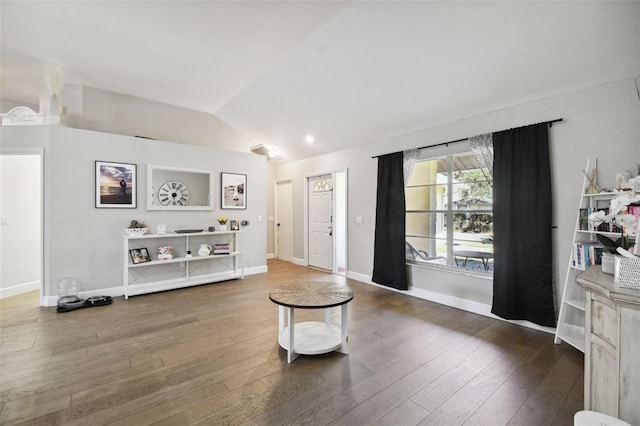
(84,242)
(7,105)
(90,108)
(602,121)
(20,209)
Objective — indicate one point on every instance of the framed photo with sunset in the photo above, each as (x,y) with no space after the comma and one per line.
(115,185)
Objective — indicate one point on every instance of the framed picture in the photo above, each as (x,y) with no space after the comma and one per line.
(233,193)
(115,185)
(235,226)
(139,255)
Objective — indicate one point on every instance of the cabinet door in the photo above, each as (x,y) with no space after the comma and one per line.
(629,365)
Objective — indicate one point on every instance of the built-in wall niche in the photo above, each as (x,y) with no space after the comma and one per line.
(178,188)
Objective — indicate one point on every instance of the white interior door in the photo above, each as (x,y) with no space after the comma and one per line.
(321,222)
(284,221)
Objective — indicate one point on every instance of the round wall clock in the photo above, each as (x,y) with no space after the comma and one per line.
(173,193)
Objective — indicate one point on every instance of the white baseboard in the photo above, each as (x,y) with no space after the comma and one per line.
(256,270)
(271,255)
(119,291)
(297,261)
(14,290)
(454,302)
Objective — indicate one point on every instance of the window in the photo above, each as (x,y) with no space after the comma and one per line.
(449,202)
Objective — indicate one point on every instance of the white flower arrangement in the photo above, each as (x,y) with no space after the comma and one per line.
(618,213)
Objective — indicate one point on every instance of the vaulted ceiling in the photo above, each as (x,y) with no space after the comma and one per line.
(348,73)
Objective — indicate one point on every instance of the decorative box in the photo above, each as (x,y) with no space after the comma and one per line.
(627,272)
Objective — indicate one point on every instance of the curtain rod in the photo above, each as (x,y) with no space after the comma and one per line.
(550,123)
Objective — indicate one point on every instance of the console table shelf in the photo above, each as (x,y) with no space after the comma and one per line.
(180,271)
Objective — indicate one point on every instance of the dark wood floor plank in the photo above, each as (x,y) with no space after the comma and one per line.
(208,355)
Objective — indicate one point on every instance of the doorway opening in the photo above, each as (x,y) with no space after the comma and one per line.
(21,226)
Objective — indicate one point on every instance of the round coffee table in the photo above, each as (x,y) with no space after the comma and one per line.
(312,338)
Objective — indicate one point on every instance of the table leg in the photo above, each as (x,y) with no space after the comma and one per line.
(281,319)
(291,354)
(344,330)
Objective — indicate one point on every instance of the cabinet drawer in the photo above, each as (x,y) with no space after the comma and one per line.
(604,322)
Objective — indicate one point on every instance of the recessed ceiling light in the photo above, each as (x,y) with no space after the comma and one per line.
(309,139)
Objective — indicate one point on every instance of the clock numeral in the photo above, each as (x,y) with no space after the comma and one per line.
(173,185)
(163,200)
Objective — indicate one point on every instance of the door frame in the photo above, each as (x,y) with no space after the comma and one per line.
(305,185)
(39,152)
(276,216)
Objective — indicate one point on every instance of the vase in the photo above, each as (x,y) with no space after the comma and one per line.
(608,263)
(205,250)
(223,227)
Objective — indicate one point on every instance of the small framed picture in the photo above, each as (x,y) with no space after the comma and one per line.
(115,185)
(235,226)
(139,255)
(233,193)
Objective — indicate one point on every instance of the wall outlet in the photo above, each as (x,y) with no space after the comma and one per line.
(4,221)
(259,219)
(358,219)
(270,218)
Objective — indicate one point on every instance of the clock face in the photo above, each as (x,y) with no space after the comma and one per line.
(173,194)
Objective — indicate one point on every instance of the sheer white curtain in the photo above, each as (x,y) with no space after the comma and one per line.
(409,157)
(482,147)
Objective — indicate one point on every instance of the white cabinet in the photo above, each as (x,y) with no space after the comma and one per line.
(181,270)
(612,361)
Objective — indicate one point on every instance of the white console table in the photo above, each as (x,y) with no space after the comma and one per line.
(181,271)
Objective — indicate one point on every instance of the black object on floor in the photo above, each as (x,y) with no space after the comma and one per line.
(70,303)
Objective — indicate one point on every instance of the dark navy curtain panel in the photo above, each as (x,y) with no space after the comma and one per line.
(522,209)
(389,267)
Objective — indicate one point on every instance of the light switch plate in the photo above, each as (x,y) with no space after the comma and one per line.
(358,219)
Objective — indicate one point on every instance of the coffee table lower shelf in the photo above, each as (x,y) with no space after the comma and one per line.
(312,338)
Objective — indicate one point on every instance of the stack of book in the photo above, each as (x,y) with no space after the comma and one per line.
(585,225)
(587,253)
(221,249)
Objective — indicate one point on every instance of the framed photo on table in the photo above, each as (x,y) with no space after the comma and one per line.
(234,225)
(115,185)
(139,255)
(233,192)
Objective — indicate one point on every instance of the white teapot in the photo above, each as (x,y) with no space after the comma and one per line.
(204,250)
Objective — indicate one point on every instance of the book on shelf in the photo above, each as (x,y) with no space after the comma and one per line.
(221,249)
(634,209)
(586,254)
(585,225)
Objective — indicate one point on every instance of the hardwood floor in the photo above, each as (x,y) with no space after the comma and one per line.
(208,355)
